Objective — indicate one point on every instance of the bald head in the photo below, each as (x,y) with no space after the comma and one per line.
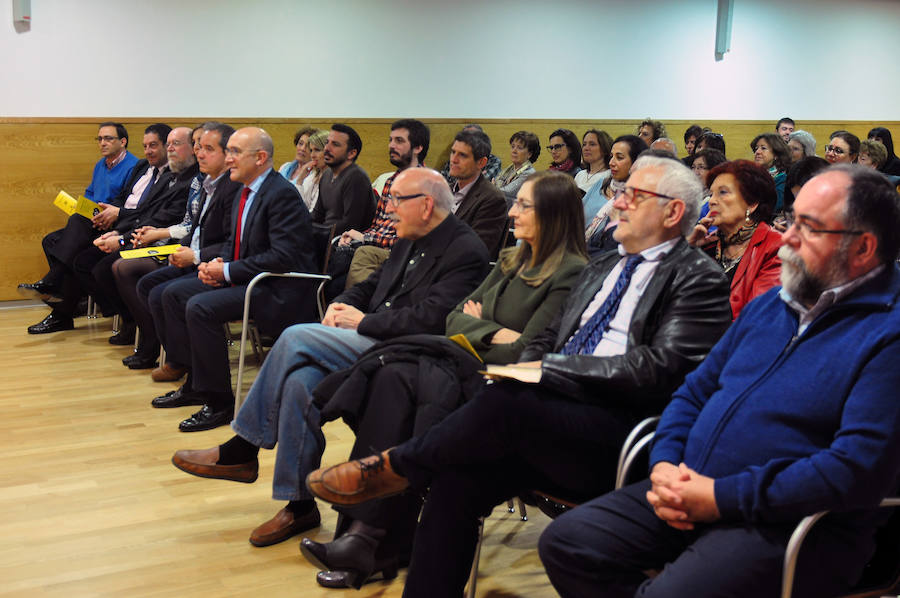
(179,149)
(248,154)
(421,201)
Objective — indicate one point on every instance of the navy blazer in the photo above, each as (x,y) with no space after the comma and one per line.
(215,222)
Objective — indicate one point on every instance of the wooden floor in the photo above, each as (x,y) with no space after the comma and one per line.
(90,504)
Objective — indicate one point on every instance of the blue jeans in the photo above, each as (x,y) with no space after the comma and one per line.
(279,405)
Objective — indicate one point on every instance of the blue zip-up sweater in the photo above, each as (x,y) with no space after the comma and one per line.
(790,425)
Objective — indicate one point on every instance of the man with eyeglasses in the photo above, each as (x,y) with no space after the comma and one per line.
(637,321)
(794,412)
(151,189)
(110,174)
(270,231)
(434,264)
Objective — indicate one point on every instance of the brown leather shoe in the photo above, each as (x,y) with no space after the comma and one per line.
(357,481)
(203,464)
(167,373)
(285,524)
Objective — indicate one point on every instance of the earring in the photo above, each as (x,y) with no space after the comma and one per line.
(747,216)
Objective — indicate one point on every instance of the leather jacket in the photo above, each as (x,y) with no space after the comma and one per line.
(679,317)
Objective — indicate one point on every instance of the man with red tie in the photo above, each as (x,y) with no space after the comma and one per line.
(271,232)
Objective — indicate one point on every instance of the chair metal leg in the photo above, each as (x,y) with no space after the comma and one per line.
(116,324)
(162,355)
(137,338)
(510,506)
(522,512)
(91,308)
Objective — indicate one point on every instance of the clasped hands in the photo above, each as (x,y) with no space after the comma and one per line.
(212,272)
(682,497)
(504,336)
(106,218)
(341,315)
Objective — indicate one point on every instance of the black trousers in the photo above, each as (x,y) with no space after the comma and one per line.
(61,247)
(603,547)
(510,439)
(148,310)
(126,274)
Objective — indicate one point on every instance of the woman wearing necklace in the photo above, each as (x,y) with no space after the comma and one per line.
(565,152)
(599,215)
(595,148)
(741,206)
(524,149)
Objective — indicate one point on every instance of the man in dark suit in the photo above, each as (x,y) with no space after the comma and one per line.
(203,237)
(271,232)
(477,202)
(633,326)
(148,182)
(435,263)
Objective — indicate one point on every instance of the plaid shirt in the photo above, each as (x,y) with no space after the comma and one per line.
(382,232)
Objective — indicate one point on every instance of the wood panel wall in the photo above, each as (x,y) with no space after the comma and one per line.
(40,156)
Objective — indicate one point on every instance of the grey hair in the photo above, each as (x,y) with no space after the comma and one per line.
(439,190)
(667,142)
(806,140)
(679,181)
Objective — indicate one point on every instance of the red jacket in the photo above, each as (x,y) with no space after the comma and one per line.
(759,269)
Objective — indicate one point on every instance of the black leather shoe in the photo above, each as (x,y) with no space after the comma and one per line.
(342,579)
(349,560)
(52,323)
(136,361)
(178,398)
(125,336)
(39,290)
(207,419)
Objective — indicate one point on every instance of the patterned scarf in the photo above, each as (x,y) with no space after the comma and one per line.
(563,166)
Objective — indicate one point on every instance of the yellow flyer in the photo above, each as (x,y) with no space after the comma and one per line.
(65,202)
(149,251)
(87,208)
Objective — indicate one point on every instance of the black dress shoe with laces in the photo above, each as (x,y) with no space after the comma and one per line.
(136,361)
(52,323)
(207,419)
(178,398)
(39,290)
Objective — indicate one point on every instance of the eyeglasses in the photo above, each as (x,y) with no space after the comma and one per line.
(523,206)
(835,149)
(236,151)
(395,200)
(175,142)
(804,228)
(557,147)
(630,197)
(106,138)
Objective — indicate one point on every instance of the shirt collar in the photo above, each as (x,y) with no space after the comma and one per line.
(258,181)
(210,184)
(110,164)
(828,297)
(655,253)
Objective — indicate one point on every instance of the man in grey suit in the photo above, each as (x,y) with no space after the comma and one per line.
(476,201)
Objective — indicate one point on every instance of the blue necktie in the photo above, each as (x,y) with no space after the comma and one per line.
(148,187)
(588,336)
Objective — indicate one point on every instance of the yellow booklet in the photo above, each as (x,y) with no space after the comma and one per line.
(87,208)
(462,341)
(149,251)
(514,372)
(65,202)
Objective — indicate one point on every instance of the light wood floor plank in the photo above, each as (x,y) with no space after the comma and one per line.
(92,506)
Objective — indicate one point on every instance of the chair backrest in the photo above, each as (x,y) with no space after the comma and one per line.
(322,235)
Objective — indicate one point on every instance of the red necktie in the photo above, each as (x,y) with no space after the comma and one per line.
(237,232)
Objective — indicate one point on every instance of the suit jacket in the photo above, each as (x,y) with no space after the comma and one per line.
(277,237)
(681,314)
(484,209)
(215,223)
(455,262)
(164,206)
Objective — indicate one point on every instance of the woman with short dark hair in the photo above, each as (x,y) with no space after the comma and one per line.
(771,152)
(524,149)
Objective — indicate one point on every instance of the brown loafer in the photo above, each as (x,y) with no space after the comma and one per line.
(285,524)
(167,373)
(357,481)
(203,464)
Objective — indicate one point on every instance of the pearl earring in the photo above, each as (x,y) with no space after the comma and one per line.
(747,216)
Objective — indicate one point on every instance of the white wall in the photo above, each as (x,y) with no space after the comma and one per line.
(453,58)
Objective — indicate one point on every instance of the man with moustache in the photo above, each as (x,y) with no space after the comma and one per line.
(795,411)
(202,234)
(435,263)
(345,192)
(146,188)
(270,231)
(407,148)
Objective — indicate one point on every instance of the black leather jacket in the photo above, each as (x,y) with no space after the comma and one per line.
(680,316)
